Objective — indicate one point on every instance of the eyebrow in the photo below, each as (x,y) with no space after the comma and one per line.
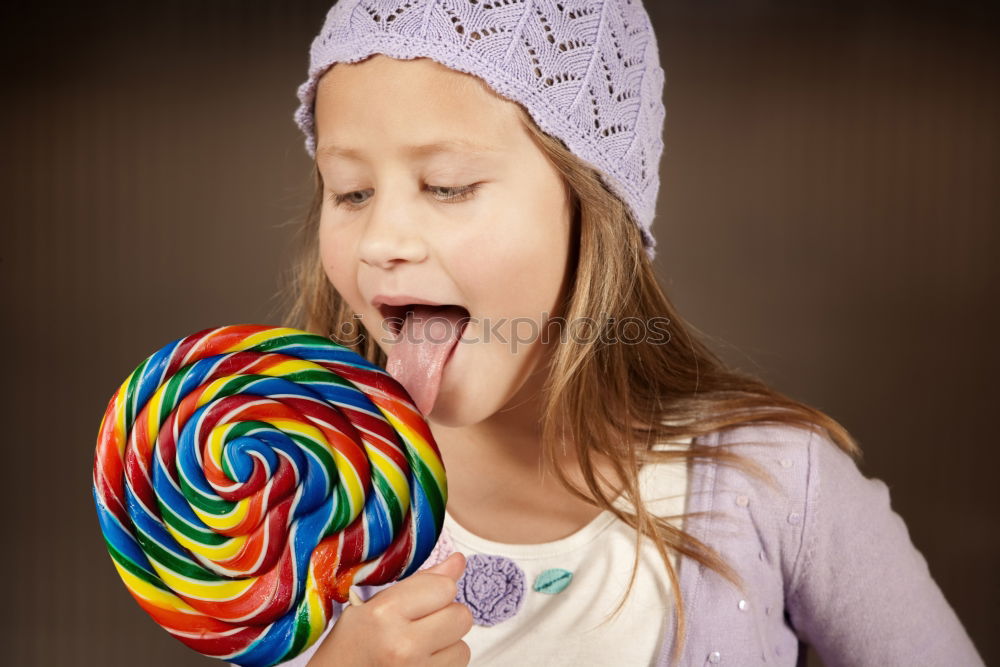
(421,150)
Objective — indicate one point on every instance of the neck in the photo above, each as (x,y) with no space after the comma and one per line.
(509,441)
(501,457)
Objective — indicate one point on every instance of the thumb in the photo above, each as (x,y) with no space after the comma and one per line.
(452,566)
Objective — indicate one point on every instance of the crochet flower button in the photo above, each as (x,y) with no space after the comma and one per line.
(492,587)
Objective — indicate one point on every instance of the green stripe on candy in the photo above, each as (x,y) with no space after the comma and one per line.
(236,383)
(395,509)
(216,506)
(133,382)
(170,395)
(427,480)
(200,535)
(321,452)
(166,559)
(137,571)
(281,342)
(316,376)
(302,627)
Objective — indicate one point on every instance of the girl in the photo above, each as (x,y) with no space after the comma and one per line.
(486,174)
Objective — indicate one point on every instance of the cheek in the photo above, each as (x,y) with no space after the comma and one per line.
(516,267)
(338,262)
(513,272)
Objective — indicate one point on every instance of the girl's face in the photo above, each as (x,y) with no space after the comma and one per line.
(398,219)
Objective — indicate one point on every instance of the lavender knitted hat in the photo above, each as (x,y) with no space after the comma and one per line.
(587,71)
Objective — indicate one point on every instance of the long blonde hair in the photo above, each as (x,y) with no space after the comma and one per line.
(613,400)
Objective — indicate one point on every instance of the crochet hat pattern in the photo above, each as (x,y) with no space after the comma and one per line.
(586,71)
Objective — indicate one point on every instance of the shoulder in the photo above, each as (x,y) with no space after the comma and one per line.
(777,508)
(783,454)
(793,460)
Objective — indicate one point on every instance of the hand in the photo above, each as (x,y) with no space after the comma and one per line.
(413,622)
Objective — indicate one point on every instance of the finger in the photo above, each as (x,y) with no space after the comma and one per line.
(453,565)
(444,627)
(456,655)
(417,596)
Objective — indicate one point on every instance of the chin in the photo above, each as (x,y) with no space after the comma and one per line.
(460,411)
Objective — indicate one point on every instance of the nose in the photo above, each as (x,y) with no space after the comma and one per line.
(391,235)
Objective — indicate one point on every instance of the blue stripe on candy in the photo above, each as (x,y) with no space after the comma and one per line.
(150,526)
(170,496)
(119,538)
(377,525)
(194,374)
(152,374)
(333,354)
(187,455)
(271,646)
(238,456)
(425,531)
(338,393)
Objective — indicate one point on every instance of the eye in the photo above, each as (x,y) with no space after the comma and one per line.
(346,199)
(451,195)
(460,193)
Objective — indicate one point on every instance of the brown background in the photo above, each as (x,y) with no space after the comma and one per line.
(828,215)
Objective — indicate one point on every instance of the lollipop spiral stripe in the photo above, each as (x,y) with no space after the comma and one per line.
(246,476)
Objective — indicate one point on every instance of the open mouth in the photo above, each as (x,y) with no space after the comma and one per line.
(425,340)
(395,316)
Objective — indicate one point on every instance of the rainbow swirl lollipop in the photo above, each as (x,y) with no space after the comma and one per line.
(246,476)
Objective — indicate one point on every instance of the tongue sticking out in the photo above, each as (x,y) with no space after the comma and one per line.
(421,350)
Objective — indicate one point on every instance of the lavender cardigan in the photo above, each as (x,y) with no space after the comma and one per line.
(825,561)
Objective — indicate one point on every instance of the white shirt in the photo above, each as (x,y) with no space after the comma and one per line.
(564,628)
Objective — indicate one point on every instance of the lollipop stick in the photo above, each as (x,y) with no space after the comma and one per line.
(354,598)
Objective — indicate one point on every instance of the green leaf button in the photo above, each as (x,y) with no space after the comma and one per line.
(553,581)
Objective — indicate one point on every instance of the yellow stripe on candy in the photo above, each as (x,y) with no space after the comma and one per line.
(300,428)
(214,552)
(233,518)
(153,415)
(392,474)
(262,337)
(317,614)
(289,366)
(423,450)
(210,591)
(118,414)
(212,389)
(217,442)
(155,595)
(226,521)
